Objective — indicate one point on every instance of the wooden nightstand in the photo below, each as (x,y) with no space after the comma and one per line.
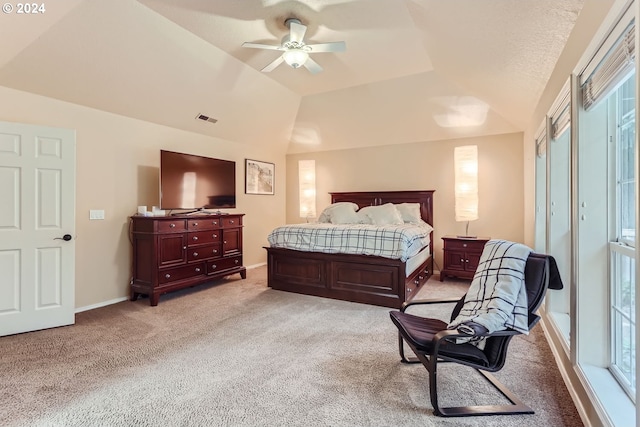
(461,256)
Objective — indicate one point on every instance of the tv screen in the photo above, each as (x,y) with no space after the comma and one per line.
(195,182)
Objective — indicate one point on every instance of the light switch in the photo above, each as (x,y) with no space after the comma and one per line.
(96,214)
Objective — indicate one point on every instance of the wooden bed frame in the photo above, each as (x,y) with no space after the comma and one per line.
(357,278)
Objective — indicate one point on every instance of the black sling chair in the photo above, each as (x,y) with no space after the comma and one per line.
(432,342)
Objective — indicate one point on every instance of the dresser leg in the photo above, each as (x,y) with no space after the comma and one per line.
(134,296)
(243,274)
(153,299)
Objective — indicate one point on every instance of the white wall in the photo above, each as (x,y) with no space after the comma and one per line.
(426,166)
(117,170)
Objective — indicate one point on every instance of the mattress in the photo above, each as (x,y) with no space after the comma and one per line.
(416,261)
(401,241)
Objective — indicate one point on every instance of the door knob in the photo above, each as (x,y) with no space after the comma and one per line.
(66,237)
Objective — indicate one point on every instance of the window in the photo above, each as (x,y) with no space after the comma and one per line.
(622,249)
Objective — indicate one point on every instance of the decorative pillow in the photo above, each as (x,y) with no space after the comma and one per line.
(383,214)
(363,218)
(340,213)
(410,212)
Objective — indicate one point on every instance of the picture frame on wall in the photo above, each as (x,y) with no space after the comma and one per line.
(260,177)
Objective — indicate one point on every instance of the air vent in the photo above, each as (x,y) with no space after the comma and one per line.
(206,118)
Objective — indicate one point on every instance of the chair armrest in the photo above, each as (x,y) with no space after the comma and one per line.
(408,304)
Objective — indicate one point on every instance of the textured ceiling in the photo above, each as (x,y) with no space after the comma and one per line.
(436,69)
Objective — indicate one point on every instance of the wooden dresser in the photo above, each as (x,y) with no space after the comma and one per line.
(461,256)
(174,252)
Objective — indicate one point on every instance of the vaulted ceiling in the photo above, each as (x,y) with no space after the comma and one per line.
(413,70)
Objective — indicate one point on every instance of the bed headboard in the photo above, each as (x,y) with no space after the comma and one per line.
(375,198)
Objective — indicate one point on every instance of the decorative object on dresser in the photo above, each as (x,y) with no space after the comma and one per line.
(461,256)
(365,279)
(174,252)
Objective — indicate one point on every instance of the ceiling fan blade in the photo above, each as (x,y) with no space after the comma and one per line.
(279,60)
(328,47)
(312,66)
(296,32)
(262,46)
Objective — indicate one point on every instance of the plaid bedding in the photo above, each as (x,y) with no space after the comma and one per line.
(388,241)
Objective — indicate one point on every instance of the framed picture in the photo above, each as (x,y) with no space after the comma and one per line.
(259,177)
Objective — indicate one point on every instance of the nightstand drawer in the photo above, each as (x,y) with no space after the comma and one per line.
(466,245)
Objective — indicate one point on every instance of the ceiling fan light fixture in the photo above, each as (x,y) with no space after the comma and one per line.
(295,57)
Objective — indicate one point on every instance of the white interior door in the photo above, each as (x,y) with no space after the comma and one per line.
(37,261)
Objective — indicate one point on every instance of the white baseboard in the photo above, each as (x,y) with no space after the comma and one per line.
(260,264)
(100,304)
(117,300)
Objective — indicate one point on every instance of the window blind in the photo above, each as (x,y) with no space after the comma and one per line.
(561,112)
(611,70)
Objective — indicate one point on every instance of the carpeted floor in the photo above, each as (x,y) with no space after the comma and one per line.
(236,353)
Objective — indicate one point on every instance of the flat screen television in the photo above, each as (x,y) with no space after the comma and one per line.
(188,181)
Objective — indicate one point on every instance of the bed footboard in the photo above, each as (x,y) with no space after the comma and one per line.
(355,278)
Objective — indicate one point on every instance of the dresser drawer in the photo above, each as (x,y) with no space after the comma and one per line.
(203,252)
(216,265)
(203,237)
(170,226)
(178,273)
(203,224)
(233,221)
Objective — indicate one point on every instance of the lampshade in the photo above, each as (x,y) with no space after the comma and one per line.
(466,182)
(295,57)
(307,188)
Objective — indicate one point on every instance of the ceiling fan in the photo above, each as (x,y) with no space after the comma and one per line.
(295,51)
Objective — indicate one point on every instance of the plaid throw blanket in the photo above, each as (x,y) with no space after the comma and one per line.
(497,297)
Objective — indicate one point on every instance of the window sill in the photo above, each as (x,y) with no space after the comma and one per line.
(620,410)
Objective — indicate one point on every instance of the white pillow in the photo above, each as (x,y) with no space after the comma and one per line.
(383,214)
(410,212)
(340,212)
(363,218)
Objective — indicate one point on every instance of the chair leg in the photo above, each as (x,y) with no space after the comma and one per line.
(403,358)
(516,407)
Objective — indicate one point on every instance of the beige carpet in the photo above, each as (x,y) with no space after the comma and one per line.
(236,353)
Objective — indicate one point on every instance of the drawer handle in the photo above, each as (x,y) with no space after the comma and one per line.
(237,262)
(466,260)
(215,222)
(215,236)
(420,277)
(417,282)
(225,242)
(197,269)
(167,276)
(195,237)
(184,247)
(231,221)
(172,225)
(464,245)
(215,251)
(195,254)
(213,266)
